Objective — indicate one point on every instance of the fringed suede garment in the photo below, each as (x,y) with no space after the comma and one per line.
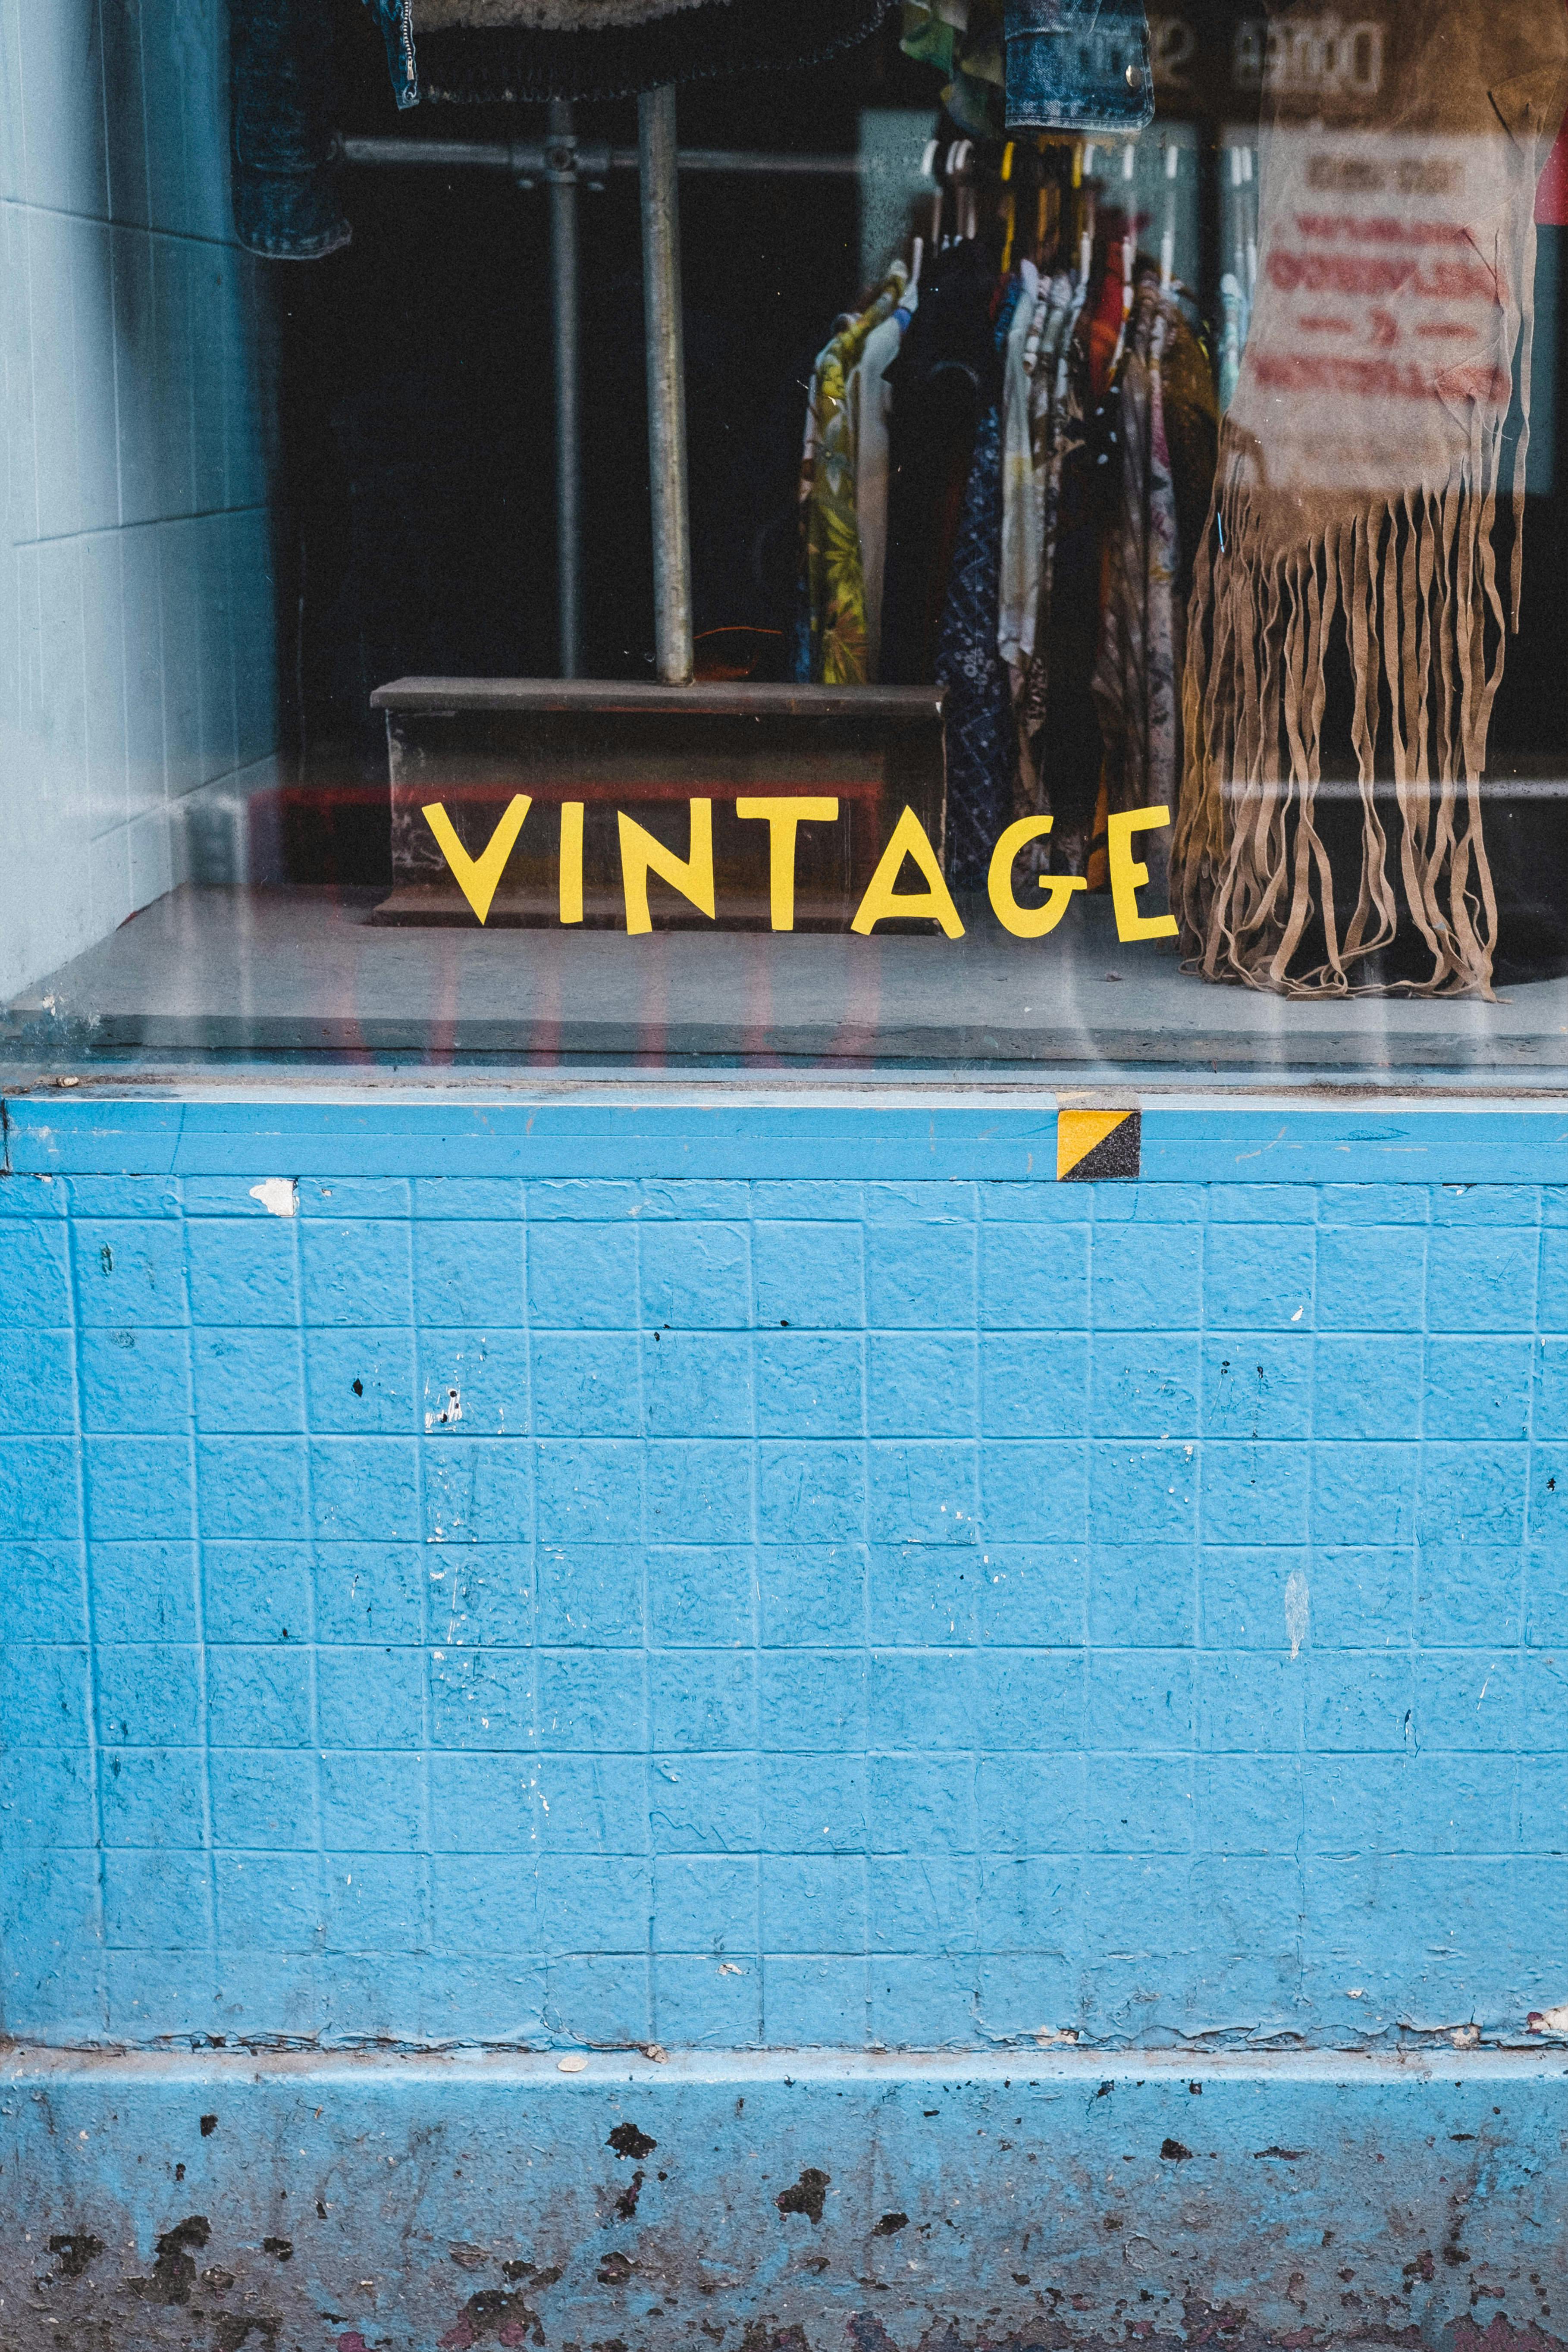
(490,51)
(1356,500)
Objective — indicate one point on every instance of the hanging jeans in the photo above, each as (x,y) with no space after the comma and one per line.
(283,110)
(1078,64)
(285,203)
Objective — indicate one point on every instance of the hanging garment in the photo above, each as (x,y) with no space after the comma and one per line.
(1078,64)
(283,130)
(835,575)
(977,706)
(1354,514)
(525,51)
(1058,726)
(1023,514)
(962,39)
(1232,338)
(936,382)
(1163,377)
(1133,684)
(871,400)
(1046,360)
(802,653)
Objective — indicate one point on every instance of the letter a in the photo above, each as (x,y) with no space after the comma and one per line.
(882,902)
(477,876)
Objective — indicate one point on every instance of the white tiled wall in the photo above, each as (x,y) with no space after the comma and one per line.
(138,658)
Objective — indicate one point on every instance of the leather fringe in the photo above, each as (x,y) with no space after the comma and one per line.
(1412,581)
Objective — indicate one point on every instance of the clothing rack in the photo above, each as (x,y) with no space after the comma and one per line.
(564,165)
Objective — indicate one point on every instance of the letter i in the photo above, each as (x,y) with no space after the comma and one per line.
(571,861)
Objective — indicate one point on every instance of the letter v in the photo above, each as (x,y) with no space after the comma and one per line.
(477,876)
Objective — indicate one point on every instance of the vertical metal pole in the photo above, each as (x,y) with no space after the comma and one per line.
(560,170)
(666,385)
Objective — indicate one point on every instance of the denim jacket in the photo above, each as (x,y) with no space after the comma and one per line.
(1078,64)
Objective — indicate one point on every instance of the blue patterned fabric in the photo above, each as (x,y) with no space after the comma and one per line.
(978,699)
(1077,65)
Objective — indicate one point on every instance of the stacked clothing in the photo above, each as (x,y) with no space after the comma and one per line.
(1036,65)
(531,51)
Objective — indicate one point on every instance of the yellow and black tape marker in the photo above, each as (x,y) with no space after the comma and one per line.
(1098,1146)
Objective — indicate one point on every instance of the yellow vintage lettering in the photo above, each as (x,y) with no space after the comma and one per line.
(783,819)
(571,877)
(882,903)
(641,855)
(1031,922)
(476,876)
(1128,876)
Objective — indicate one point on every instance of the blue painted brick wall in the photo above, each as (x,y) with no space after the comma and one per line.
(738,1612)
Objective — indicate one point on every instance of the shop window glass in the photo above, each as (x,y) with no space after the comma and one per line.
(1063,573)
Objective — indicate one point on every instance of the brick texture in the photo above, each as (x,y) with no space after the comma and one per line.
(726,1613)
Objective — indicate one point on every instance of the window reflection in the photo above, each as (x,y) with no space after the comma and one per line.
(1207,463)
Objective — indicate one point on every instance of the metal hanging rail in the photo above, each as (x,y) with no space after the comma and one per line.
(565,164)
(527,160)
(665,324)
(561,171)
